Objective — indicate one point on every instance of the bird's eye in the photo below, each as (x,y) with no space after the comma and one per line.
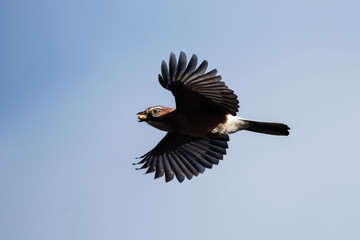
(155,111)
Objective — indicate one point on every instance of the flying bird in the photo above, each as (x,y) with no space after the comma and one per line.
(198,128)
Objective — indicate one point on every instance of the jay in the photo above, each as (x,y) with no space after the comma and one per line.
(198,128)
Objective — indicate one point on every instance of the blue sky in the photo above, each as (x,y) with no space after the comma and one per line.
(75,73)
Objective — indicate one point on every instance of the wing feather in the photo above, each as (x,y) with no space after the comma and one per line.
(190,84)
(184,156)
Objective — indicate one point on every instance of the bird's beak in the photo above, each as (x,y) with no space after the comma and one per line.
(142,116)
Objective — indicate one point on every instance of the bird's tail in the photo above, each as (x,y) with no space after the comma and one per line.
(267,128)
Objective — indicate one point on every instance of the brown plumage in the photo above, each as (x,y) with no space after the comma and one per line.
(197,130)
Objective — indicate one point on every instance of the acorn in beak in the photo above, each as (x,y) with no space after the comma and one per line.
(142,116)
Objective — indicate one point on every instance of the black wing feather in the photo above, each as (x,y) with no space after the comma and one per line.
(184,156)
(181,66)
(172,66)
(190,68)
(159,167)
(190,84)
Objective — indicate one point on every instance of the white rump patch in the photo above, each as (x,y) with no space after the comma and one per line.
(232,124)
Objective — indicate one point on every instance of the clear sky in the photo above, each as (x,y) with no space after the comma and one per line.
(75,73)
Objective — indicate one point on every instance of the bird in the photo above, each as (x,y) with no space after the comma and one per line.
(198,128)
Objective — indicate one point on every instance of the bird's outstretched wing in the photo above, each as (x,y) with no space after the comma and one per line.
(194,90)
(184,156)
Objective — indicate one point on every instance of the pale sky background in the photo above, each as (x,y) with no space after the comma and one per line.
(75,73)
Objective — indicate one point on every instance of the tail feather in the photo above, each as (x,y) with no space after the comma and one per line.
(268,128)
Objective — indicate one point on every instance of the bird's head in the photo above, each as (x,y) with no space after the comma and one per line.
(154,113)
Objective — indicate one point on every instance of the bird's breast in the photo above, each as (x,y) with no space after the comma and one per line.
(162,125)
